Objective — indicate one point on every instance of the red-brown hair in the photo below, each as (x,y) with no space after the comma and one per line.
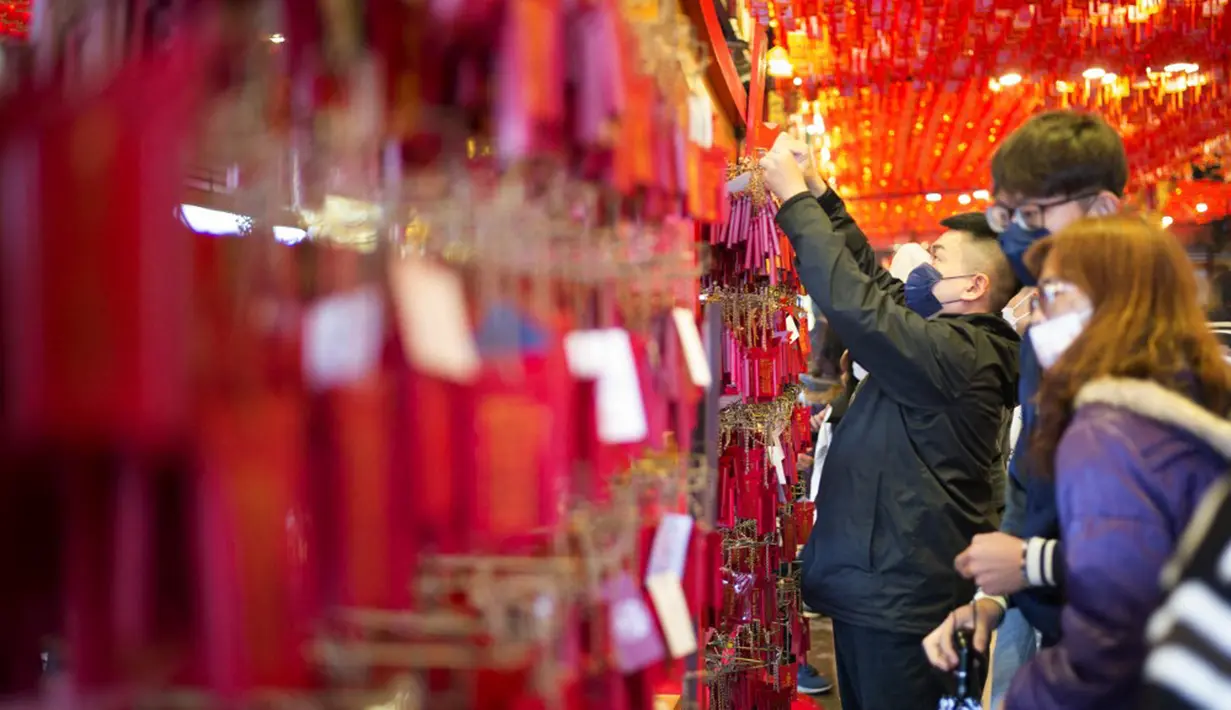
(1147,323)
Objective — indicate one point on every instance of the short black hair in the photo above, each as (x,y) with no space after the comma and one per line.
(974,223)
(1061,153)
(988,255)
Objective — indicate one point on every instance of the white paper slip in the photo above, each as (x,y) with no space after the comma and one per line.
(694,351)
(607,357)
(792,328)
(667,594)
(669,552)
(342,338)
(432,320)
(776,457)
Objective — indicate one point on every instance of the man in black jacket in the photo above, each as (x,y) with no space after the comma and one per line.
(910,476)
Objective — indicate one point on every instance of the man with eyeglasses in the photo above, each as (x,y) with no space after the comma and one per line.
(1055,169)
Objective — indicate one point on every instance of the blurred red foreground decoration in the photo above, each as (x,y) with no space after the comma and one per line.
(910,97)
(15,18)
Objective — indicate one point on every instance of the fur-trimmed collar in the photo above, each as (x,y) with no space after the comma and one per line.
(1153,401)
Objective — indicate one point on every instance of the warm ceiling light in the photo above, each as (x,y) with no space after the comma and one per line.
(208,221)
(1167,222)
(1202,207)
(798,81)
(1064,87)
(963,199)
(1094,73)
(1109,78)
(1181,67)
(982,195)
(932,197)
(289,235)
(993,84)
(1011,79)
(277,38)
(779,63)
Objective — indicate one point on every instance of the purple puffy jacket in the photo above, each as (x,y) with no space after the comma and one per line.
(1130,469)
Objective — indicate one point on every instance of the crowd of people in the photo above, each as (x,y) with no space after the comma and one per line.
(1027,436)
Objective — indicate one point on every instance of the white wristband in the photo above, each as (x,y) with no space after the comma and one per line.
(1037,565)
(1002,601)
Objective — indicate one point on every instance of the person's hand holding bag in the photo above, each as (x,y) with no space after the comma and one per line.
(783,176)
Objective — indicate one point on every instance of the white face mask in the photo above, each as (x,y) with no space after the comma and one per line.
(1009,312)
(858,372)
(1054,336)
(1011,318)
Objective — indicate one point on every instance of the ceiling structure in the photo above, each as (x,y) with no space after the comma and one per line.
(907,100)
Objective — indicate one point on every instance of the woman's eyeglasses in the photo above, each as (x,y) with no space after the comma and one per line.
(1053,296)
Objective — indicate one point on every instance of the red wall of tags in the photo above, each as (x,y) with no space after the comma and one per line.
(759,635)
(226,449)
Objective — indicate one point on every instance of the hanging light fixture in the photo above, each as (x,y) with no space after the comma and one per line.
(780,66)
(1181,68)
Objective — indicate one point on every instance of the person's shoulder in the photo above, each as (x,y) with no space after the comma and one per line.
(1139,429)
(1099,461)
(983,326)
(1096,430)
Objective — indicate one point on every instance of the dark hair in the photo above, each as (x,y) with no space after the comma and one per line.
(1004,282)
(1146,324)
(970,222)
(1060,153)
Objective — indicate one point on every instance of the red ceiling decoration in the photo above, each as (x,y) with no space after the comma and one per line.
(15,18)
(914,95)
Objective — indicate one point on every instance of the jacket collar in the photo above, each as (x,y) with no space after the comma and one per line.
(1153,401)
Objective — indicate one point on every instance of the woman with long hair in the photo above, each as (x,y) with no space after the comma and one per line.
(1131,426)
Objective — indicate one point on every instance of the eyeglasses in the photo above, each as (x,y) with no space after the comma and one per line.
(1030,215)
(1053,295)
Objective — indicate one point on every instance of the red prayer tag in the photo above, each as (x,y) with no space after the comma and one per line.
(96,270)
(513,438)
(363,485)
(259,598)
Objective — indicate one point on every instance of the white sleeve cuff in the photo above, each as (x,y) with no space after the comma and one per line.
(1038,566)
(1002,601)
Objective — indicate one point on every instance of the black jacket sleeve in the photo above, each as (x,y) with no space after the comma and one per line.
(919,361)
(857,243)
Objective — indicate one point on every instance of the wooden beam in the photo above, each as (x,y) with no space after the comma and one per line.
(721,72)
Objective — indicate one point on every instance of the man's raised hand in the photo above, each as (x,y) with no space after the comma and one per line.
(803,155)
(783,176)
